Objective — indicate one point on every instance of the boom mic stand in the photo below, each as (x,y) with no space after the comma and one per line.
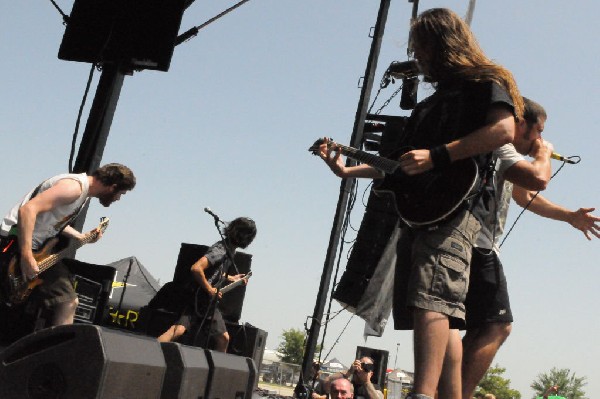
(214,302)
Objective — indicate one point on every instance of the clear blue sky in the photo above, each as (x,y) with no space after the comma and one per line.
(228,127)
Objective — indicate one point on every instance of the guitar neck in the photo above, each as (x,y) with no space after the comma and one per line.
(51,260)
(386,165)
(231,286)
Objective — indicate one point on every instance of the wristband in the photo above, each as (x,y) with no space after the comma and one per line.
(440,156)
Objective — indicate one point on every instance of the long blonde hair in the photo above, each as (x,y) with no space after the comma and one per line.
(455,53)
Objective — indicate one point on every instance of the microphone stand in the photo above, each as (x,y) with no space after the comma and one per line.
(214,302)
(125,279)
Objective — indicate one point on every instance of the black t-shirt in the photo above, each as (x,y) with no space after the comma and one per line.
(218,263)
(455,111)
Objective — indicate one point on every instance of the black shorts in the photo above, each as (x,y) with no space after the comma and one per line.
(189,319)
(487,299)
(57,286)
(201,323)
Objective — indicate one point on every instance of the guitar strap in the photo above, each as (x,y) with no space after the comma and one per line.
(14,228)
(485,190)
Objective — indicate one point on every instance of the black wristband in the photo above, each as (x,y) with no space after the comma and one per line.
(440,156)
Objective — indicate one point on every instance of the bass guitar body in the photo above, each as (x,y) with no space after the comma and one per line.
(16,289)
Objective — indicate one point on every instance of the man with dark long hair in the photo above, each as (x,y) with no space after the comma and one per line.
(209,272)
(471,113)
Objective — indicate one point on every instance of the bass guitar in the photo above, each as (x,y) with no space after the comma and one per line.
(17,289)
(423,199)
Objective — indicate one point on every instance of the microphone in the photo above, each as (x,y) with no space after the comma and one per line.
(217,219)
(408,97)
(405,69)
(559,157)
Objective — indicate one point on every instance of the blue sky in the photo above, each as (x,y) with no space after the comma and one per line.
(227,127)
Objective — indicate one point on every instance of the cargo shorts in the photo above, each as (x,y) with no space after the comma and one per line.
(432,269)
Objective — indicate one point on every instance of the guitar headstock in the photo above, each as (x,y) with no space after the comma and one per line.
(103,224)
(314,149)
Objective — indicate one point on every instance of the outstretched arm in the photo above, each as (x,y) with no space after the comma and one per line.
(581,219)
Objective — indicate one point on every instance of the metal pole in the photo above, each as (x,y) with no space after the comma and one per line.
(98,125)
(345,189)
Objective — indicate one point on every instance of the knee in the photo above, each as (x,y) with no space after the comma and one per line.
(178,330)
(506,330)
(501,331)
(68,306)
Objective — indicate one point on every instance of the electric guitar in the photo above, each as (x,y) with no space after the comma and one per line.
(16,289)
(423,199)
(203,299)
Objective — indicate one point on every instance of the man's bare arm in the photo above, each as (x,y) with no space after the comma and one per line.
(581,219)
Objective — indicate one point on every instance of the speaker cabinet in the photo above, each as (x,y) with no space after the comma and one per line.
(140,33)
(82,361)
(231,377)
(231,304)
(187,372)
(380,361)
(248,341)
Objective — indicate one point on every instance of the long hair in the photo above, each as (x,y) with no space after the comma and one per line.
(240,232)
(455,53)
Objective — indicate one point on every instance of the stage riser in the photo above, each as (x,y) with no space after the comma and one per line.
(87,361)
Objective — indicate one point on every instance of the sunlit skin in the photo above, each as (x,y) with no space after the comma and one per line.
(341,388)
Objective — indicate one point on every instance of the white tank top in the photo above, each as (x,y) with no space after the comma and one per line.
(51,223)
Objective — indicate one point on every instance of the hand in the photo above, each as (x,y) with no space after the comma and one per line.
(415,162)
(332,157)
(541,147)
(237,277)
(583,220)
(213,291)
(29,268)
(95,238)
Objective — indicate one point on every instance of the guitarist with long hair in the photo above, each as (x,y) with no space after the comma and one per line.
(209,274)
(45,213)
(472,112)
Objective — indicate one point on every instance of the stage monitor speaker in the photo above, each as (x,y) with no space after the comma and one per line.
(232,303)
(248,341)
(231,377)
(187,372)
(380,361)
(140,33)
(101,274)
(82,361)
